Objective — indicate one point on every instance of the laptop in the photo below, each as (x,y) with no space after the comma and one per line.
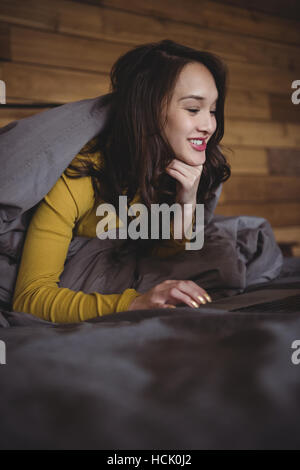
(268,298)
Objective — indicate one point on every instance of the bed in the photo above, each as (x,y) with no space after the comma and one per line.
(151,379)
(161,379)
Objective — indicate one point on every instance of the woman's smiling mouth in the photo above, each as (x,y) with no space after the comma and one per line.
(198,144)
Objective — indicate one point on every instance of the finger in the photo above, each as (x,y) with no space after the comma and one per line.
(206,295)
(178,296)
(196,293)
(176,173)
(185,168)
(181,164)
(199,292)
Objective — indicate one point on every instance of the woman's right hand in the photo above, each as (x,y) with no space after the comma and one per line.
(169,293)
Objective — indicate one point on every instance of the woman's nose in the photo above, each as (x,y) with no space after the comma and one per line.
(206,123)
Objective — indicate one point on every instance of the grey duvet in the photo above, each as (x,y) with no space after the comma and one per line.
(177,379)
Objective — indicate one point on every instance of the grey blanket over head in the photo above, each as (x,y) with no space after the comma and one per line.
(238,251)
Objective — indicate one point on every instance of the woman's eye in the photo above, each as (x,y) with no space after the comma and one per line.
(196,110)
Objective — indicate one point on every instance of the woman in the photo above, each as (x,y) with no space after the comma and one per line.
(161,141)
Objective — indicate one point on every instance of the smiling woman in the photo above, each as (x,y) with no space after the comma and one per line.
(160,144)
(151,144)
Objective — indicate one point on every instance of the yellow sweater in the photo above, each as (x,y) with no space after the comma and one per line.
(68,210)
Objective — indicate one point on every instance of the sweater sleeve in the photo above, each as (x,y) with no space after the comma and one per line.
(44,253)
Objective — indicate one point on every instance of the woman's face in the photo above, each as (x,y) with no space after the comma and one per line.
(190,118)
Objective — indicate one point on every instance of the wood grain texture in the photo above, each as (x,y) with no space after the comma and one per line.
(5,42)
(65,51)
(218,16)
(283,161)
(247,160)
(258,188)
(128,27)
(278,214)
(288,234)
(247,104)
(48,84)
(123,26)
(281,8)
(263,134)
(33,13)
(282,108)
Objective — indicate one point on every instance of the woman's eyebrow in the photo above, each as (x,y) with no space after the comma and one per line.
(197,97)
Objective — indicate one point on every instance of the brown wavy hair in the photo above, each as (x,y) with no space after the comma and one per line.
(133,149)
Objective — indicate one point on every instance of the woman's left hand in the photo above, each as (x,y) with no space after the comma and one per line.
(188,178)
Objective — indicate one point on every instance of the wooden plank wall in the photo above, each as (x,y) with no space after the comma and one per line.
(57,51)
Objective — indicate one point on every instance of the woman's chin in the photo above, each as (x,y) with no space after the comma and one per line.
(196,161)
